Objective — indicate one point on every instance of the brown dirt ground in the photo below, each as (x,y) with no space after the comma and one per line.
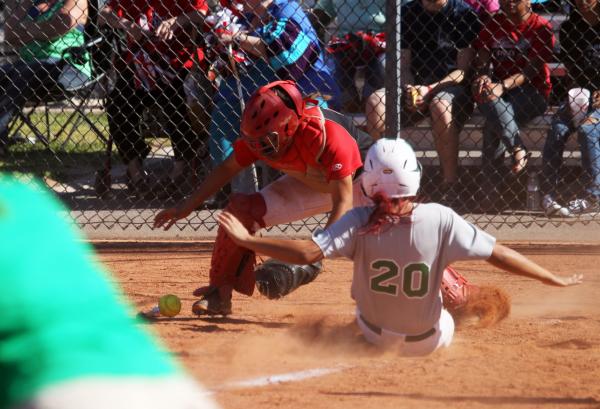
(544,355)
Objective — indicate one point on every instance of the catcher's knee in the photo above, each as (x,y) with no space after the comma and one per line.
(248,208)
(275,279)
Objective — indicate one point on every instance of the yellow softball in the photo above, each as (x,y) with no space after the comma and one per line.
(169,305)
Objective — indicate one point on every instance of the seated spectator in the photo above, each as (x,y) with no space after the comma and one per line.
(436,55)
(517,44)
(359,41)
(41,32)
(152,70)
(579,44)
(280,43)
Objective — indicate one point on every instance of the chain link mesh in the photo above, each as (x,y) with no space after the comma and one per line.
(125,107)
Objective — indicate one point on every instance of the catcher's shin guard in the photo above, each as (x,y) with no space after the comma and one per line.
(455,289)
(231,264)
(275,278)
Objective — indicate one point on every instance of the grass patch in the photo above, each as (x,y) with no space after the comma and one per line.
(75,147)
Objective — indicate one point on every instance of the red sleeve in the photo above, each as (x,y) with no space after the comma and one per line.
(341,156)
(243,155)
(542,44)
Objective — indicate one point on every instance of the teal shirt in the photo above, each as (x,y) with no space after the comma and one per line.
(54,48)
(355,15)
(61,318)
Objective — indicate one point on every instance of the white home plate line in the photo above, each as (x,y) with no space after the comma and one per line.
(277,379)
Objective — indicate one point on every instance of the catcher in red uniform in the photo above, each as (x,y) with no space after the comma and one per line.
(319,152)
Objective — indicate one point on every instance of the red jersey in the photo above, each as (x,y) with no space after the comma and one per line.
(180,50)
(337,159)
(513,47)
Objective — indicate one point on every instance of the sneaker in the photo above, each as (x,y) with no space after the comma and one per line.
(552,208)
(214,301)
(584,206)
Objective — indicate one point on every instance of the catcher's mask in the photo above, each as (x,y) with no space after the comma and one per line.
(271,119)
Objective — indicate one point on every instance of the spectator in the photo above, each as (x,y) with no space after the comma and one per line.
(152,70)
(517,43)
(436,56)
(359,41)
(41,32)
(67,337)
(274,32)
(579,44)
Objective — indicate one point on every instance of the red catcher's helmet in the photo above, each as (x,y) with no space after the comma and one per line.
(271,118)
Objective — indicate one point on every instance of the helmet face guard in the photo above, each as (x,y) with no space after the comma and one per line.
(266,146)
(271,119)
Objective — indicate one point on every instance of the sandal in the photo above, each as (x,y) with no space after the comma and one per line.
(519,163)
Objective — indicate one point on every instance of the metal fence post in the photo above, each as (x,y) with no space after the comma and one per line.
(392,68)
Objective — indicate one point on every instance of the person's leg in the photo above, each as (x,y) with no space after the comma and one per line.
(374,75)
(527,103)
(589,142)
(499,122)
(449,109)
(445,135)
(124,110)
(200,91)
(183,138)
(232,268)
(375,112)
(554,146)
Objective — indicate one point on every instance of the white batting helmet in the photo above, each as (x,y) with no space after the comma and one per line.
(391,167)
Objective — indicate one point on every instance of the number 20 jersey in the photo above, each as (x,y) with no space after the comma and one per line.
(398,272)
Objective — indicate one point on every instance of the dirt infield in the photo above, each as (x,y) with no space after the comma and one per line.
(304,351)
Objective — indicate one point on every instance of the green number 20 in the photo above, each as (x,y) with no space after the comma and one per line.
(380,283)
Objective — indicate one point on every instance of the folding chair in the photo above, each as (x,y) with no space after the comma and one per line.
(73,89)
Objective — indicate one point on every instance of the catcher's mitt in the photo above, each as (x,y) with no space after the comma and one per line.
(275,278)
(455,289)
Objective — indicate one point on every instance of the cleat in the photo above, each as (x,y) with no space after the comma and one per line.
(216,301)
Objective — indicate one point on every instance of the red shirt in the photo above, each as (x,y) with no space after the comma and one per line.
(513,47)
(340,157)
(180,50)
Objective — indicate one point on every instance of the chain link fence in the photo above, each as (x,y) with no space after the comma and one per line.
(124,107)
